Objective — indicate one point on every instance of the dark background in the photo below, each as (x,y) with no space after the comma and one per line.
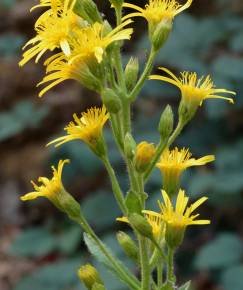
(41,249)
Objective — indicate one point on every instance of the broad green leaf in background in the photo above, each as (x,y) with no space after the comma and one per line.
(61,275)
(224,251)
(34,242)
(232,278)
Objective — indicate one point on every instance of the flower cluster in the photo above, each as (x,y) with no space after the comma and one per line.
(84,47)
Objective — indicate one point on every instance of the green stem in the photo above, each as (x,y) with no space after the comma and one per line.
(176,133)
(144,261)
(144,75)
(170,267)
(162,145)
(115,186)
(126,111)
(127,277)
(160,274)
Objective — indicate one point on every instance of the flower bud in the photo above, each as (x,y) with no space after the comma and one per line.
(89,276)
(144,154)
(111,101)
(117,3)
(166,123)
(88,10)
(98,286)
(128,245)
(141,225)
(131,73)
(160,34)
(129,146)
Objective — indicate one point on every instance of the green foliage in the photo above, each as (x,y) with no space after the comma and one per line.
(232,278)
(57,276)
(22,116)
(224,251)
(39,242)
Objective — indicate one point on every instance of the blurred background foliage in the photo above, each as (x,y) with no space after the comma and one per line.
(39,247)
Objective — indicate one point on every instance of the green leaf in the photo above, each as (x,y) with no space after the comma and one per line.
(186,286)
(133,203)
(102,258)
(223,251)
(58,276)
(34,242)
(231,278)
(102,203)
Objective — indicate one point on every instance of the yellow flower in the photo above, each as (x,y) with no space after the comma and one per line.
(194,90)
(179,217)
(53,4)
(157,11)
(156,222)
(173,163)
(49,188)
(87,128)
(54,29)
(153,218)
(144,154)
(88,47)
(54,190)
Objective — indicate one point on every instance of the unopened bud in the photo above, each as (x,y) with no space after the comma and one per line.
(129,146)
(160,34)
(144,154)
(98,286)
(88,10)
(111,101)
(89,276)
(141,225)
(128,245)
(166,123)
(131,73)
(117,3)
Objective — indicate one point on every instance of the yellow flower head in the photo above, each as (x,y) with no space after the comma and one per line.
(157,11)
(173,163)
(176,161)
(87,128)
(156,222)
(194,90)
(180,216)
(48,188)
(54,30)
(144,154)
(88,46)
(153,218)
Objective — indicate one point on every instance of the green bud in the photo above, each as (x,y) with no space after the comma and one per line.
(160,34)
(166,122)
(88,10)
(141,225)
(89,276)
(111,101)
(131,73)
(98,286)
(129,146)
(117,3)
(128,245)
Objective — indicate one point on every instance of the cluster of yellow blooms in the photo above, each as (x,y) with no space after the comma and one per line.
(84,46)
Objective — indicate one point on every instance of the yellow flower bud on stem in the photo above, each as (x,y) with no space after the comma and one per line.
(89,276)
